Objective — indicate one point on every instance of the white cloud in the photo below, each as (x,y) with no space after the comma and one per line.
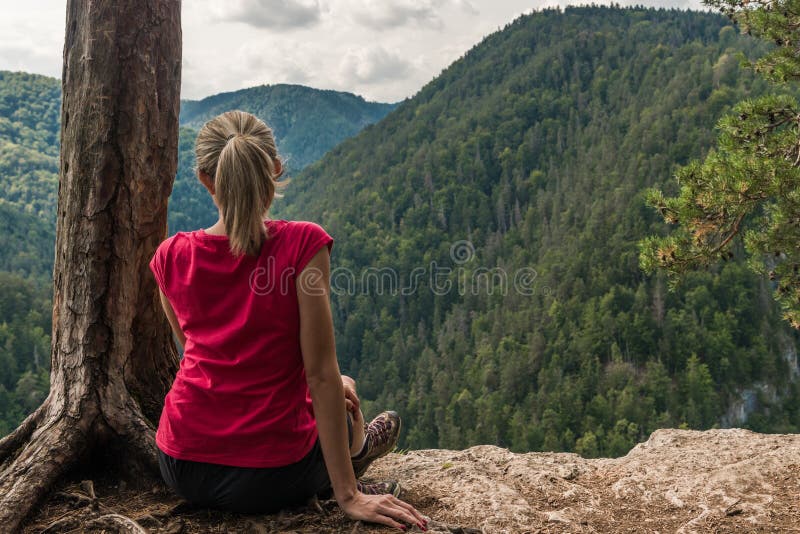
(382,14)
(283,15)
(270,62)
(32,41)
(21,58)
(396,13)
(385,50)
(373,65)
(467,6)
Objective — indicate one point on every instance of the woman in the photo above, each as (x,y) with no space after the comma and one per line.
(259,417)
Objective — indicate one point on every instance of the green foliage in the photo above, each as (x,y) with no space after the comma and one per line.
(26,244)
(25,315)
(190,205)
(29,127)
(536,148)
(29,119)
(307,122)
(775,21)
(749,186)
(29,111)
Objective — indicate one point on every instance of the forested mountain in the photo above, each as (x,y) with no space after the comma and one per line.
(522,170)
(307,122)
(504,202)
(29,108)
(29,130)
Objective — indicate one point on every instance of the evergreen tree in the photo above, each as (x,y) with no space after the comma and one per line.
(747,190)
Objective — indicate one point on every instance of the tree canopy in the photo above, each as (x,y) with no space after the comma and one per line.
(530,156)
(745,195)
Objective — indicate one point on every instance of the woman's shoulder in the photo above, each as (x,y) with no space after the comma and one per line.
(178,239)
(305,226)
(304,239)
(175,243)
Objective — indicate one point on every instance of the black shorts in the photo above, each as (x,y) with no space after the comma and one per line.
(249,489)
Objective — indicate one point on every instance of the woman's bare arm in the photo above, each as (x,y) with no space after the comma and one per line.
(173,321)
(327,394)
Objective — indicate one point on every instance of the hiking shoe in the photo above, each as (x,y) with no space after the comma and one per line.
(380,438)
(389,487)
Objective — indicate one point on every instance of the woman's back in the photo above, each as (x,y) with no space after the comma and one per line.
(259,416)
(240,397)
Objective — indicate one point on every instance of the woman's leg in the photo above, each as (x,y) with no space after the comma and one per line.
(368,442)
(356,423)
(381,436)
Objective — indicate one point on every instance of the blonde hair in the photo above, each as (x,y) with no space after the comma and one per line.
(237,150)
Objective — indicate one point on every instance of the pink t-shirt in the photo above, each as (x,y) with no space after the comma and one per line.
(240,396)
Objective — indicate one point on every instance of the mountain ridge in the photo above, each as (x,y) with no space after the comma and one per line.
(29,165)
(529,155)
(532,152)
(301,137)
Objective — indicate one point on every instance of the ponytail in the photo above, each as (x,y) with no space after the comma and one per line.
(239,150)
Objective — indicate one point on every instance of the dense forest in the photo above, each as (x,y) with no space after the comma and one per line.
(29,130)
(486,271)
(522,169)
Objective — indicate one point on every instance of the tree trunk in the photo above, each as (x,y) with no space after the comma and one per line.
(113,358)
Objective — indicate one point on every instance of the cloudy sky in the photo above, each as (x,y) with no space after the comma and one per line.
(384,50)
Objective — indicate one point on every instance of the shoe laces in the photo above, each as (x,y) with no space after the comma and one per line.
(380,429)
(379,488)
(369,489)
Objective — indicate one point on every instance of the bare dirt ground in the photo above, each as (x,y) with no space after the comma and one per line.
(678,481)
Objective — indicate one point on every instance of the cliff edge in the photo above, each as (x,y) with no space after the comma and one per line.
(677,481)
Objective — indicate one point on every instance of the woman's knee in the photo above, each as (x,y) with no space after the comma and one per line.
(349,381)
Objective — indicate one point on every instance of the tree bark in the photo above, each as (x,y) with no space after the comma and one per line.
(113,358)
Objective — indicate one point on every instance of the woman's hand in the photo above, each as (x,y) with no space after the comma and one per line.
(384,509)
(351,401)
(330,397)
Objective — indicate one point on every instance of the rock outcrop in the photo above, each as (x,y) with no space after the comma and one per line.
(677,481)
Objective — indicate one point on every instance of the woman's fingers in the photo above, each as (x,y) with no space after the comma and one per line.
(410,509)
(394,510)
(388,521)
(384,509)
(350,395)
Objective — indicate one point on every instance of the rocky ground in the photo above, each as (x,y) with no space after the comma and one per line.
(677,481)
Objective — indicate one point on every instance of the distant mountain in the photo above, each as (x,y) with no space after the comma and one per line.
(310,121)
(487,283)
(29,129)
(307,122)
(26,244)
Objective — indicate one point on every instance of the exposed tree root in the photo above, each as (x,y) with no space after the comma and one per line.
(139,438)
(120,522)
(10,443)
(26,478)
(90,513)
(62,524)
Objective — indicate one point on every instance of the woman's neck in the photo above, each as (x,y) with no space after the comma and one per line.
(217,229)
